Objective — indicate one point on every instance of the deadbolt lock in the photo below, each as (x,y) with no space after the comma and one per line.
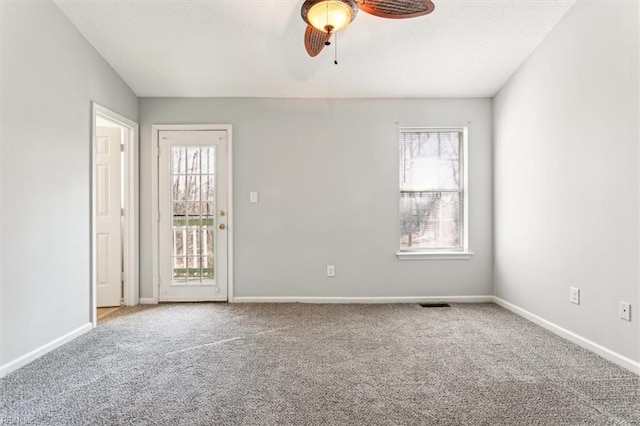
(222,213)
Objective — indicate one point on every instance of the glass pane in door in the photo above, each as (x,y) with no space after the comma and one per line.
(193,215)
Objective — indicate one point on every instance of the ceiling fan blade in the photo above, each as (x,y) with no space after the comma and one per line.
(396,9)
(314,40)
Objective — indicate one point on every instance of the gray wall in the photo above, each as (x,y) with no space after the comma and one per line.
(327,175)
(50,74)
(566,176)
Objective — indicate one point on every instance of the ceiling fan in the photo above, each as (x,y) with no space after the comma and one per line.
(325,17)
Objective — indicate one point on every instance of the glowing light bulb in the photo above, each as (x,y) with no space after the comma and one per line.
(329,15)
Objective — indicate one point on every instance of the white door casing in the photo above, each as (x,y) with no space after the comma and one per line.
(192,208)
(108,216)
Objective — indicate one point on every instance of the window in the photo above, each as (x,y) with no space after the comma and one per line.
(433,197)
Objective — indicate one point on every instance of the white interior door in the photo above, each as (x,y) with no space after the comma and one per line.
(108,216)
(193,207)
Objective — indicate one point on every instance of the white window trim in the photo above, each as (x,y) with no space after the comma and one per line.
(430,255)
(439,254)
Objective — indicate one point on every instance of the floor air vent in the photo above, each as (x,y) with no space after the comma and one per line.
(435,305)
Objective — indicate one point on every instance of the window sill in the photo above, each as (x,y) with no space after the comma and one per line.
(445,255)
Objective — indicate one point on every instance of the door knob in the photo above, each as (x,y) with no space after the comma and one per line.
(221,226)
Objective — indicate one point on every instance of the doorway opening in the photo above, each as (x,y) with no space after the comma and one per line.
(192,205)
(114,212)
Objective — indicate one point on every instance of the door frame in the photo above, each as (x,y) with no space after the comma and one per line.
(155,202)
(130,234)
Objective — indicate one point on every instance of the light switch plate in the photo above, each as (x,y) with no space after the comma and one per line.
(253,197)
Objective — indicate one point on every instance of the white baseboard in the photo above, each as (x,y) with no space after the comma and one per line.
(37,353)
(608,354)
(400,299)
(148,301)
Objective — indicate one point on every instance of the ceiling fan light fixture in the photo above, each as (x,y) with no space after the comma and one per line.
(329,15)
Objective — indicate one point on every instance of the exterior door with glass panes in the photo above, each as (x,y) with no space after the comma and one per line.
(193,208)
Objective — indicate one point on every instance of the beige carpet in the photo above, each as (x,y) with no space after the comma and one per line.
(252,364)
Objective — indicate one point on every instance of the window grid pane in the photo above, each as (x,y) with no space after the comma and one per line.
(430,160)
(431,190)
(193,199)
(430,220)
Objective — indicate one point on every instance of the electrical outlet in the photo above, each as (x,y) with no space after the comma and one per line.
(331,271)
(625,311)
(574,295)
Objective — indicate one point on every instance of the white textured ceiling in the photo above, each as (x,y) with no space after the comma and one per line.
(254,48)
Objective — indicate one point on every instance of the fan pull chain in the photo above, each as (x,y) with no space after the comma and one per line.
(335,47)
